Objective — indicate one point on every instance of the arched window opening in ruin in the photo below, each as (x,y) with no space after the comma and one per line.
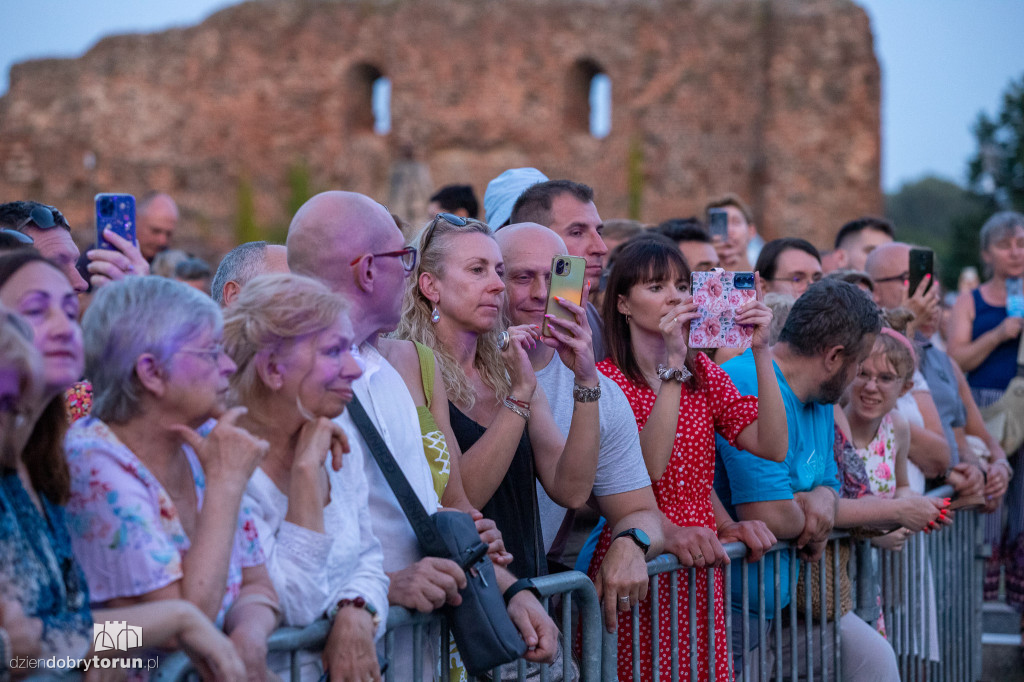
(382,106)
(371,104)
(589,101)
(600,105)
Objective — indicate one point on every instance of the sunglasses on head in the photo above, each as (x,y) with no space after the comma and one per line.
(44,217)
(12,239)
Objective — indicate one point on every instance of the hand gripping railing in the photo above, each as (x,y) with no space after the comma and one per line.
(573,587)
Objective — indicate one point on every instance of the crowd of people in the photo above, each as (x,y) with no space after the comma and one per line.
(177,450)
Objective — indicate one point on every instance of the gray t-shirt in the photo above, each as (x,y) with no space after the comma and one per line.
(620,463)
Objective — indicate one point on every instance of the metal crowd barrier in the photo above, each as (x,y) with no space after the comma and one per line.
(575,590)
(947,565)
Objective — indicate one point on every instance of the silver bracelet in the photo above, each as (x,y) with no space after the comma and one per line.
(524,413)
(585,394)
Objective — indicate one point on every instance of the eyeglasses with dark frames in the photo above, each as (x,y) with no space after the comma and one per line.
(44,217)
(408,256)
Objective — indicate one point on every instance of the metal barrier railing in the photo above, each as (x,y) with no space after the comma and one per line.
(577,595)
(930,600)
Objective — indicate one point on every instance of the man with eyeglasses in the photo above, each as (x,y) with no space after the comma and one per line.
(49,233)
(889,267)
(352,244)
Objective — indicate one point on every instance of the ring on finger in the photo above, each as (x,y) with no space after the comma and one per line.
(503,341)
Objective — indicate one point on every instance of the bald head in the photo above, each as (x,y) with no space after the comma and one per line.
(156,222)
(527,249)
(888,265)
(331,230)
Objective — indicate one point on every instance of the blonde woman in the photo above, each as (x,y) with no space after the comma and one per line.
(501,421)
(291,338)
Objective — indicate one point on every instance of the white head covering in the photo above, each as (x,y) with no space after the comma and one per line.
(503,191)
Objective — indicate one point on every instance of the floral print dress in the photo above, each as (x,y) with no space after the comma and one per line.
(879,457)
(124,527)
(684,495)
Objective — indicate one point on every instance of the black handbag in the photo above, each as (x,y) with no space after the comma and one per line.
(483,631)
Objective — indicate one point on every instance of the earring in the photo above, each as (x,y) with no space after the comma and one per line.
(435,315)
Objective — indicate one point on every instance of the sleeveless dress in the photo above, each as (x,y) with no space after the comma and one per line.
(879,457)
(684,495)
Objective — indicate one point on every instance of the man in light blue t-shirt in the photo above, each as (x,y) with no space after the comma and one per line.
(829,331)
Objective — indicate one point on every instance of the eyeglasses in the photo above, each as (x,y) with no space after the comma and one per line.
(44,217)
(883,380)
(408,256)
(895,278)
(213,354)
(799,278)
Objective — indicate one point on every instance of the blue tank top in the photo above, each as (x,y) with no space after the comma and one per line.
(1001,364)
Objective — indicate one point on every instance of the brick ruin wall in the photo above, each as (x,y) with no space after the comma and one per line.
(777,100)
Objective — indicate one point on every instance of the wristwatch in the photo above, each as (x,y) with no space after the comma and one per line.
(517,587)
(642,540)
(666,373)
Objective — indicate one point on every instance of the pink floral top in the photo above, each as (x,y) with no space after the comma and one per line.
(879,459)
(124,528)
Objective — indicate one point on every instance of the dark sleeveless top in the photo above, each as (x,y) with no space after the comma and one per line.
(1001,364)
(514,504)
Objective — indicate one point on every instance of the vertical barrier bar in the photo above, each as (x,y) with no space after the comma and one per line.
(808,620)
(837,609)
(710,573)
(794,649)
(727,598)
(692,592)
(762,645)
(417,652)
(567,636)
(777,613)
(673,587)
(446,673)
(823,608)
(655,628)
(634,624)
(389,650)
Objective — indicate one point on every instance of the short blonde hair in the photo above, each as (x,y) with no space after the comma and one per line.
(269,311)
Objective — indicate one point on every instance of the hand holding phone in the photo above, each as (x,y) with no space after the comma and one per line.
(921,263)
(718,223)
(567,278)
(718,295)
(115,212)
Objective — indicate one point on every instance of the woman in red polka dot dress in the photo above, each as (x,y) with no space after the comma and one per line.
(680,399)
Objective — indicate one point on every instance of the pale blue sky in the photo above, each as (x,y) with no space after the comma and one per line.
(942,62)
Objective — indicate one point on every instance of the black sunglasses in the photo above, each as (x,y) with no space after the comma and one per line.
(450,218)
(44,218)
(12,239)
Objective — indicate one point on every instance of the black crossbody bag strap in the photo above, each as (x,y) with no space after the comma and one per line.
(426,532)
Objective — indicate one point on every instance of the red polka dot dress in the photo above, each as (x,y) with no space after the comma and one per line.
(684,495)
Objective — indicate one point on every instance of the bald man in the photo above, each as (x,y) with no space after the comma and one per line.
(155,223)
(888,265)
(352,244)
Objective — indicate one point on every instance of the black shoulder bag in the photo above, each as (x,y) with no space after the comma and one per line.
(483,631)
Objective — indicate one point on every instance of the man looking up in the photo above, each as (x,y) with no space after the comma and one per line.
(567,208)
(622,486)
(358,233)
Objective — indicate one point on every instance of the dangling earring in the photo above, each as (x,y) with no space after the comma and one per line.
(435,315)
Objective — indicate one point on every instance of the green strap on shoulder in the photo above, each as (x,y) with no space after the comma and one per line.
(426,370)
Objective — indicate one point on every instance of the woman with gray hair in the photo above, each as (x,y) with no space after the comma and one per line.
(155,507)
(291,339)
(984,335)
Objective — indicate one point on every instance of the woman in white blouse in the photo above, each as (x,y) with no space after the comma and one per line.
(291,339)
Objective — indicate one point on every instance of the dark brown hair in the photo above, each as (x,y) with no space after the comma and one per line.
(44,454)
(639,261)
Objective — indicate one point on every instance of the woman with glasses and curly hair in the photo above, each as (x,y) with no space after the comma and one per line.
(502,422)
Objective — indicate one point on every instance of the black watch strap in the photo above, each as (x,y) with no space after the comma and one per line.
(634,535)
(518,586)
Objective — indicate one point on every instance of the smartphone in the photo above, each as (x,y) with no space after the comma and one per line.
(568,273)
(718,223)
(921,264)
(718,294)
(115,212)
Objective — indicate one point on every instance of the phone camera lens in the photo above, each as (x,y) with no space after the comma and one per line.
(560,267)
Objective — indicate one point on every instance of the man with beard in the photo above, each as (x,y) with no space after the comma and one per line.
(830,330)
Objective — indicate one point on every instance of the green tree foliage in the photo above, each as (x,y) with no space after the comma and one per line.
(998,166)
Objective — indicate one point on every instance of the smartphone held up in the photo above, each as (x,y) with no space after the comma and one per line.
(568,275)
(115,212)
(718,294)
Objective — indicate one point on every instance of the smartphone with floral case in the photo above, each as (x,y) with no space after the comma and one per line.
(718,294)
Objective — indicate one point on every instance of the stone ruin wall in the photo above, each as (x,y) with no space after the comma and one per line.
(776,100)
